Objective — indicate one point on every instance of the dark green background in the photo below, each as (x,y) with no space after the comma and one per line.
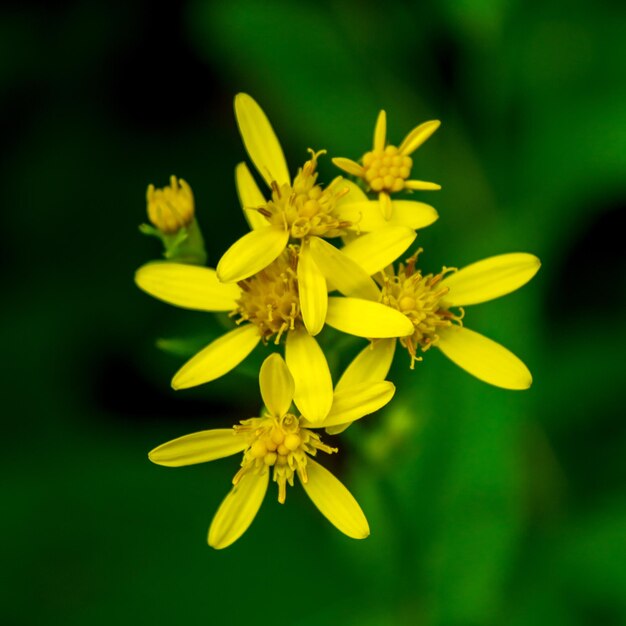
(486,506)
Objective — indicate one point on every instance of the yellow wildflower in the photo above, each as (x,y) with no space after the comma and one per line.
(426,300)
(386,170)
(281,444)
(267,306)
(299,212)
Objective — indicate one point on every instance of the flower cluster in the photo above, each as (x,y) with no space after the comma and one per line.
(286,279)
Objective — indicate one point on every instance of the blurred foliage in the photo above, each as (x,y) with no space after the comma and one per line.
(486,506)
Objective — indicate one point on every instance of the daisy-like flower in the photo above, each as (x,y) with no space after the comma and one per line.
(426,301)
(266,307)
(298,211)
(282,445)
(386,169)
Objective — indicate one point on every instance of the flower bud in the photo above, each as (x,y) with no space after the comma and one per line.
(170,208)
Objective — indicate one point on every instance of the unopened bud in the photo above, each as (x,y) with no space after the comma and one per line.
(172,207)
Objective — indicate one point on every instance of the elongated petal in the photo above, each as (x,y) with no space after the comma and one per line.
(250,197)
(484,358)
(313,291)
(412,214)
(380,131)
(369,214)
(238,510)
(260,141)
(187,286)
(206,445)
(252,253)
(346,275)
(490,278)
(308,366)
(365,318)
(353,403)
(335,502)
(385,205)
(371,365)
(348,165)
(277,386)
(218,358)
(418,136)
(421,185)
(376,250)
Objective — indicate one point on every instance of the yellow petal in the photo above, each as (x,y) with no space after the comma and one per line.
(484,358)
(250,197)
(348,165)
(353,403)
(206,445)
(260,140)
(418,136)
(490,278)
(252,253)
(308,366)
(313,291)
(187,286)
(355,193)
(421,185)
(385,205)
(238,510)
(376,250)
(411,214)
(277,386)
(369,214)
(364,318)
(346,276)
(371,365)
(335,502)
(218,358)
(380,131)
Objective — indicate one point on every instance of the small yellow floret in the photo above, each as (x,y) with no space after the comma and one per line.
(279,443)
(170,208)
(386,170)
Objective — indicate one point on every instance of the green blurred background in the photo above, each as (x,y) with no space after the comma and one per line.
(486,506)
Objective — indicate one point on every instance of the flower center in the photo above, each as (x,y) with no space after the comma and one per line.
(386,170)
(419,298)
(304,207)
(270,299)
(281,443)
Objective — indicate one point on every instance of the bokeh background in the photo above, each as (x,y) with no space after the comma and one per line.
(486,506)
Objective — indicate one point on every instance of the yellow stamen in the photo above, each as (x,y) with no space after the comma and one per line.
(281,444)
(419,297)
(304,208)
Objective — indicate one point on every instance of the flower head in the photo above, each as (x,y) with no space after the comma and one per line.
(426,299)
(281,445)
(386,168)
